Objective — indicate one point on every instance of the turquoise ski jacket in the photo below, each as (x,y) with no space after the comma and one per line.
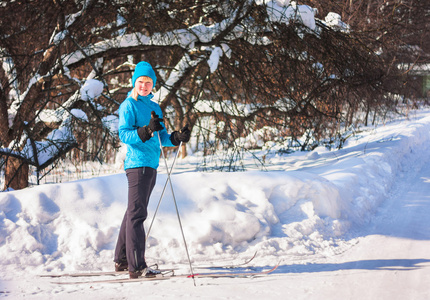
(132,115)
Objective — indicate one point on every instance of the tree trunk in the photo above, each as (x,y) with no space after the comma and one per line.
(16,174)
(184,150)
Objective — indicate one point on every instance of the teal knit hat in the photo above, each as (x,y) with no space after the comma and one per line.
(143,69)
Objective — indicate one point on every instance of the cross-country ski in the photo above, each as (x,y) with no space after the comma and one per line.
(243,274)
(116,273)
(227,265)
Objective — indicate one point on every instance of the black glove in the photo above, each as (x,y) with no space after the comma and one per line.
(182,135)
(146,132)
(155,122)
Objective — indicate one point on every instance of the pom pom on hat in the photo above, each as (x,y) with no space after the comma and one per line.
(143,69)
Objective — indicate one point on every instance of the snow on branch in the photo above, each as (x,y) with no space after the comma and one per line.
(198,33)
(43,153)
(180,68)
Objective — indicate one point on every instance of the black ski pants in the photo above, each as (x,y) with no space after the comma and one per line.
(130,246)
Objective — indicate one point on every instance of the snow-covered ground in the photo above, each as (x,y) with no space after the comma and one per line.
(347,224)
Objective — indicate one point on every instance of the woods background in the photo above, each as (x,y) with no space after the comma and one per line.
(240,73)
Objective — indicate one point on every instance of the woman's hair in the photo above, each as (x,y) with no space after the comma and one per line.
(134,93)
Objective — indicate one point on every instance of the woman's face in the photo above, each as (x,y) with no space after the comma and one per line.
(143,86)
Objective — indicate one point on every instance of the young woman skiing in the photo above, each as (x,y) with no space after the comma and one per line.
(140,120)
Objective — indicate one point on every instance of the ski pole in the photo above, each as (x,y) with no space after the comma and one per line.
(164,189)
(177,210)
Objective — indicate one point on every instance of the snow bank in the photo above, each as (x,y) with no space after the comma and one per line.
(58,225)
(308,206)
